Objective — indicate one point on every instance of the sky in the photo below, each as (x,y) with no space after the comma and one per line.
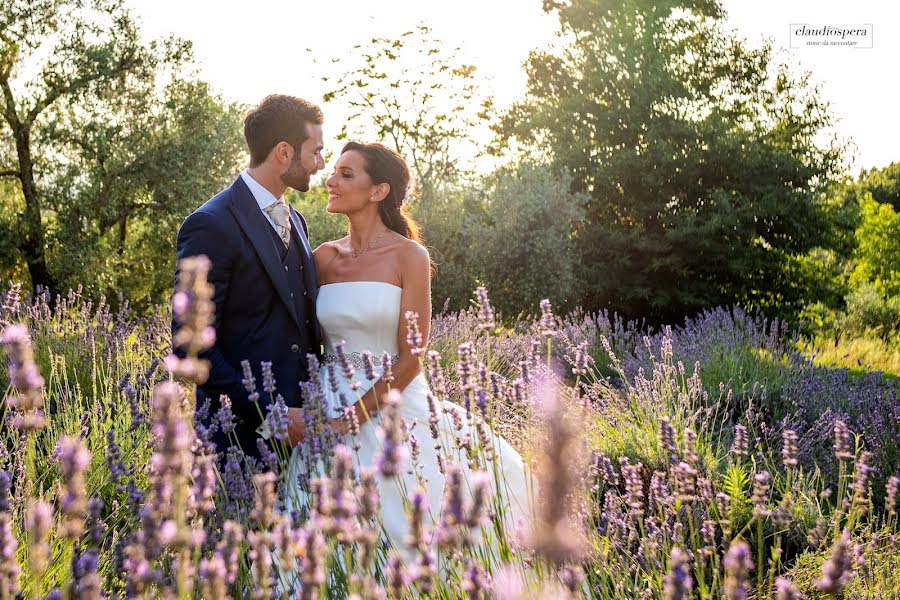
(247,50)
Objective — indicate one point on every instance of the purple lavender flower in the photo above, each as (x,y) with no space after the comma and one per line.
(582,361)
(229,548)
(891,492)
(413,336)
(114,458)
(387,364)
(203,487)
(139,574)
(24,379)
(87,584)
(192,306)
(677,584)
(685,482)
(785,590)
(5,486)
(367,493)
(312,566)
(393,453)
(842,443)
(225,416)
(96,525)
(9,566)
(486,320)
(761,485)
(38,521)
(436,379)
(397,579)
(836,569)
(738,562)
(263,513)
(277,419)
(789,449)
(861,477)
(548,321)
(557,536)
(213,578)
(134,406)
(268,377)
(476,581)
(690,448)
(667,438)
(634,487)
(260,557)
(74,458)
(369,365)
(740,447)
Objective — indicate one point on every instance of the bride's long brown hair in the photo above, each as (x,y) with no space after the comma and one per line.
(384,165)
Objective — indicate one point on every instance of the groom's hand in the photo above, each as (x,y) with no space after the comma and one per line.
(296,426)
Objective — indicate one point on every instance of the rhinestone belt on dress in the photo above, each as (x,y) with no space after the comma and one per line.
(356,359)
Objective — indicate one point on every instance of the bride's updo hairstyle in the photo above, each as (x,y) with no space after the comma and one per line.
(384,165)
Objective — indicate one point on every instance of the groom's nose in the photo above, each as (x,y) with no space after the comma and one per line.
(320,162)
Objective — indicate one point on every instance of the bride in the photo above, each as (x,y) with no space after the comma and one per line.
(368,281)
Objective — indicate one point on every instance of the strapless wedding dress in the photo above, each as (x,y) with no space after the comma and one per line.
(365,315)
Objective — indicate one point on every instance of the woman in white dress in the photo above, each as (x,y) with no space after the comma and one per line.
(367,281)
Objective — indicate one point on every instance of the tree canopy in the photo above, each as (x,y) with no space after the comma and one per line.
(109,142)
(697,151)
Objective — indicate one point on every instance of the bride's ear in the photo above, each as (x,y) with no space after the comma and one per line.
(380,193)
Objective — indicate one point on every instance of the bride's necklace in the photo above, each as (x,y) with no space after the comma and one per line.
(358,253)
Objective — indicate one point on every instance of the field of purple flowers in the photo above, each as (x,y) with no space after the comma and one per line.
(704,460)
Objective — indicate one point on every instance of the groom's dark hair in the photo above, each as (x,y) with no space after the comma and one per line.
(278,118)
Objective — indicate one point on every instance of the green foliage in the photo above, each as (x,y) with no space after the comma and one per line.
(878,247)
(869,311)
(323,226)
(882,184)
(527,240)
(451,221)
(512,231)
(697,154)
(114,143)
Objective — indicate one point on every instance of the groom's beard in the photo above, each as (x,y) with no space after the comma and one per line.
(296,177)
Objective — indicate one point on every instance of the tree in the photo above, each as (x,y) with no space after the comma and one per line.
(414,95)
(111,143)
(697,153)
(878,248)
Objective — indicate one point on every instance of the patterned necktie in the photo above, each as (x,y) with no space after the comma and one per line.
(278,212)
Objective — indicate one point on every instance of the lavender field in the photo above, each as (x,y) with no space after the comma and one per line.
(708,459)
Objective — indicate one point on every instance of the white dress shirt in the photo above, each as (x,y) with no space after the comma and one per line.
(262,196)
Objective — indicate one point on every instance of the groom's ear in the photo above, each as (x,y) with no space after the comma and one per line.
(282,153)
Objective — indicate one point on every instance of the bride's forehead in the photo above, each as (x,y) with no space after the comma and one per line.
(351,159)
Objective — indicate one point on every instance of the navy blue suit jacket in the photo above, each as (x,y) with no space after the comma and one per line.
(256,317)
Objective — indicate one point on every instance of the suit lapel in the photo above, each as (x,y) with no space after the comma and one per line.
(255,226)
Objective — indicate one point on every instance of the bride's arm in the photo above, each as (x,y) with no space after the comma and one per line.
(415,276)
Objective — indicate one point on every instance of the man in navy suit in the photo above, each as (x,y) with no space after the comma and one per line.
(262,269)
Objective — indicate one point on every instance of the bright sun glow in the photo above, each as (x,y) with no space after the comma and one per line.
(249,49)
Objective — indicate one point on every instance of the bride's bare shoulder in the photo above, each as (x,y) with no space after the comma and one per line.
(414,255)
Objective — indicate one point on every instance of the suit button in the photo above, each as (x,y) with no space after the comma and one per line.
(285,267)
(292,294)
(301,267)
(305,294)
(295,348)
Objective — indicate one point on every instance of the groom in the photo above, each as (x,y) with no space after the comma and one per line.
(262,267)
